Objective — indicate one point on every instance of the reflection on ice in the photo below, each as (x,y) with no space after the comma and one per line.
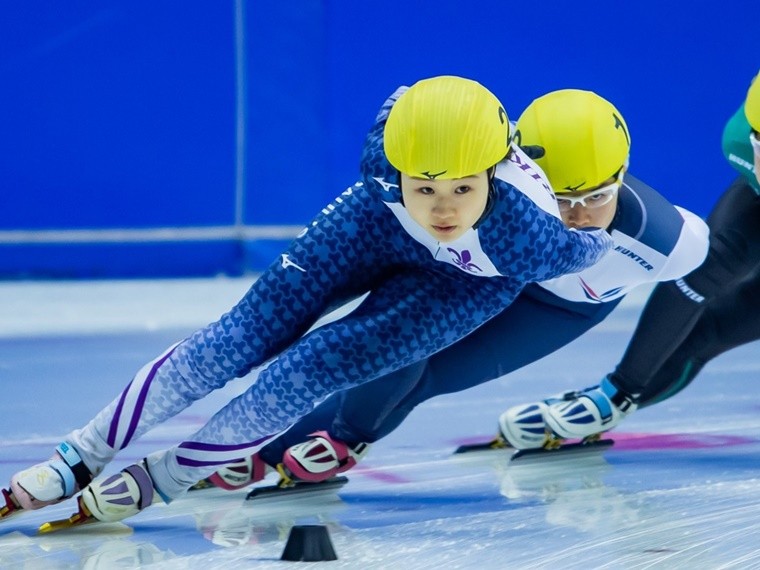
(573,491)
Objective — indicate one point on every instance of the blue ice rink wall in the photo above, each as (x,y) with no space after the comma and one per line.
(188,137)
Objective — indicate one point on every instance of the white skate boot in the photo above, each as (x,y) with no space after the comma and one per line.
(119,496)
(241,474)
(47,483)
(111,499)
(320,458)
(523,426)
(586,414)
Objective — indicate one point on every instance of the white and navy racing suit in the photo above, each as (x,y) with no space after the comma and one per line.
(654,241)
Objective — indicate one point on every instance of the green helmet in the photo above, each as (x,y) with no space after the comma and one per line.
(584,138)
(446,127)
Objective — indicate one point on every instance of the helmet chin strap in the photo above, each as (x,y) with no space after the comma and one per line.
(400,189)
(491,200)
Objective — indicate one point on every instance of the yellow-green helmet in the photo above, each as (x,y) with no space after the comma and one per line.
(446,127)
(752,104)
(584,137)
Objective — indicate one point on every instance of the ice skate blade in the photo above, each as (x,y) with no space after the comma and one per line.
(82,516)
(6,513)
(564,451)
(495,443)
(202,485)
(302,488)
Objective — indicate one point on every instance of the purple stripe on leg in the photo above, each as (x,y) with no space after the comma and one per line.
(142,396)
(115,420)
(216,447)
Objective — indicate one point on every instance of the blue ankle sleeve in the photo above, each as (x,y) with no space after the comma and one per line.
(601,399)
(608,388)
(72,469)
(69,454)
(67,477)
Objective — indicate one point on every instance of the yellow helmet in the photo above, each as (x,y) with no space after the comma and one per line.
(446,127)
(752,104)
(584,137)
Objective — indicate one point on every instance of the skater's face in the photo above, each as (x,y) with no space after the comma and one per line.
(446,209)
(595,207)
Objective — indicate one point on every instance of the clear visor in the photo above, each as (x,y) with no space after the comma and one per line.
(591,199)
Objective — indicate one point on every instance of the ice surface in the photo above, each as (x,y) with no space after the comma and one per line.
(680,488)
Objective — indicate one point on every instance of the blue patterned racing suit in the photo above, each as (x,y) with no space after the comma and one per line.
(424,295)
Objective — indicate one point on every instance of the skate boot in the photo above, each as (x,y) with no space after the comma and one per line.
(241,474)
(590,412)
(119,496)
(47,483)
(320,458)
(523,426)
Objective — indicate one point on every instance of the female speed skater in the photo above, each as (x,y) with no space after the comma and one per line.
(442,232)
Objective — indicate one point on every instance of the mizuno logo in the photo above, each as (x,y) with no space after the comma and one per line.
(619,124)
(433,176)
(287,263)
(574,188)
(386,185)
